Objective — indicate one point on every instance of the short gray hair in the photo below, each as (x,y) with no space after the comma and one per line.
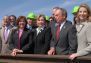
(64,12)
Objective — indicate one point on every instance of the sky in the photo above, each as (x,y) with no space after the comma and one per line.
(23,7)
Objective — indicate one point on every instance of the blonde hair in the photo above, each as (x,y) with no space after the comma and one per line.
(41,15)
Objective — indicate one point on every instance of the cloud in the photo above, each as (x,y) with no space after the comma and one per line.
(74,2)
(47,8)
(65,4)
(19,8)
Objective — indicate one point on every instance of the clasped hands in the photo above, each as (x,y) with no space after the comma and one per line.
(16,51)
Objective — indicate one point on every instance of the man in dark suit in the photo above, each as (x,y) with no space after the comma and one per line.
(64,40)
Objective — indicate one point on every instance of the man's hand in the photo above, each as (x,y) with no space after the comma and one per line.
(51,51)
(72,56)
(15,50)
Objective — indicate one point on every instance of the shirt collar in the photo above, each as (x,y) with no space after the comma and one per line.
(29,27)
(40,28)
(61,23)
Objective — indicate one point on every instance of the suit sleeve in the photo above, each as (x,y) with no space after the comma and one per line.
(29,44)
(86,50)
(47,41)
(10,40)
(72,40)
(52,42)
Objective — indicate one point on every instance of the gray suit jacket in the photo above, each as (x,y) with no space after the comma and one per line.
(67,42)
(84,38)
(4,44)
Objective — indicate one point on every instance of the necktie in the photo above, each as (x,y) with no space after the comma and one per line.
(6,34)
(57,32)
(19,37)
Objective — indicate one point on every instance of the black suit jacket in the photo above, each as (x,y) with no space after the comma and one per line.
(42,41)
(67,42)
(25,40)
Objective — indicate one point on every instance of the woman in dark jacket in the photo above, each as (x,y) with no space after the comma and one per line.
(42,36)
(19,41)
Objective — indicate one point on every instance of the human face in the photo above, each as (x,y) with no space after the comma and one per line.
(58,16)
(12,19)
(53,11)
(22,24)
(83,14)
(51,19)
(6,20)
(40,22)
(4,23)
(29,21)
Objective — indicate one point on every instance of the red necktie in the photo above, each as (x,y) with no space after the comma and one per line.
(57,32)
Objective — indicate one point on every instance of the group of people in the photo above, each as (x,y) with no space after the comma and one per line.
(56,36)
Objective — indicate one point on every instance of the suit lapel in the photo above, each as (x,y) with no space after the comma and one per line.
(79,27)
(55,28)
(2,34)
(23,34)
(9,35)
(16,35)
(42,31)
(62,30)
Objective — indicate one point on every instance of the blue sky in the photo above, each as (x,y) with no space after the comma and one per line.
(23,7)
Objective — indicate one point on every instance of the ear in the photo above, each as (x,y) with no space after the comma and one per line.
(64,17)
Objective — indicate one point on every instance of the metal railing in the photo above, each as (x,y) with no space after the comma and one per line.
(36,58)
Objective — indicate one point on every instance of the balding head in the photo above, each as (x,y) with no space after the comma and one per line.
(60,14)
(54,9)
(5,21)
